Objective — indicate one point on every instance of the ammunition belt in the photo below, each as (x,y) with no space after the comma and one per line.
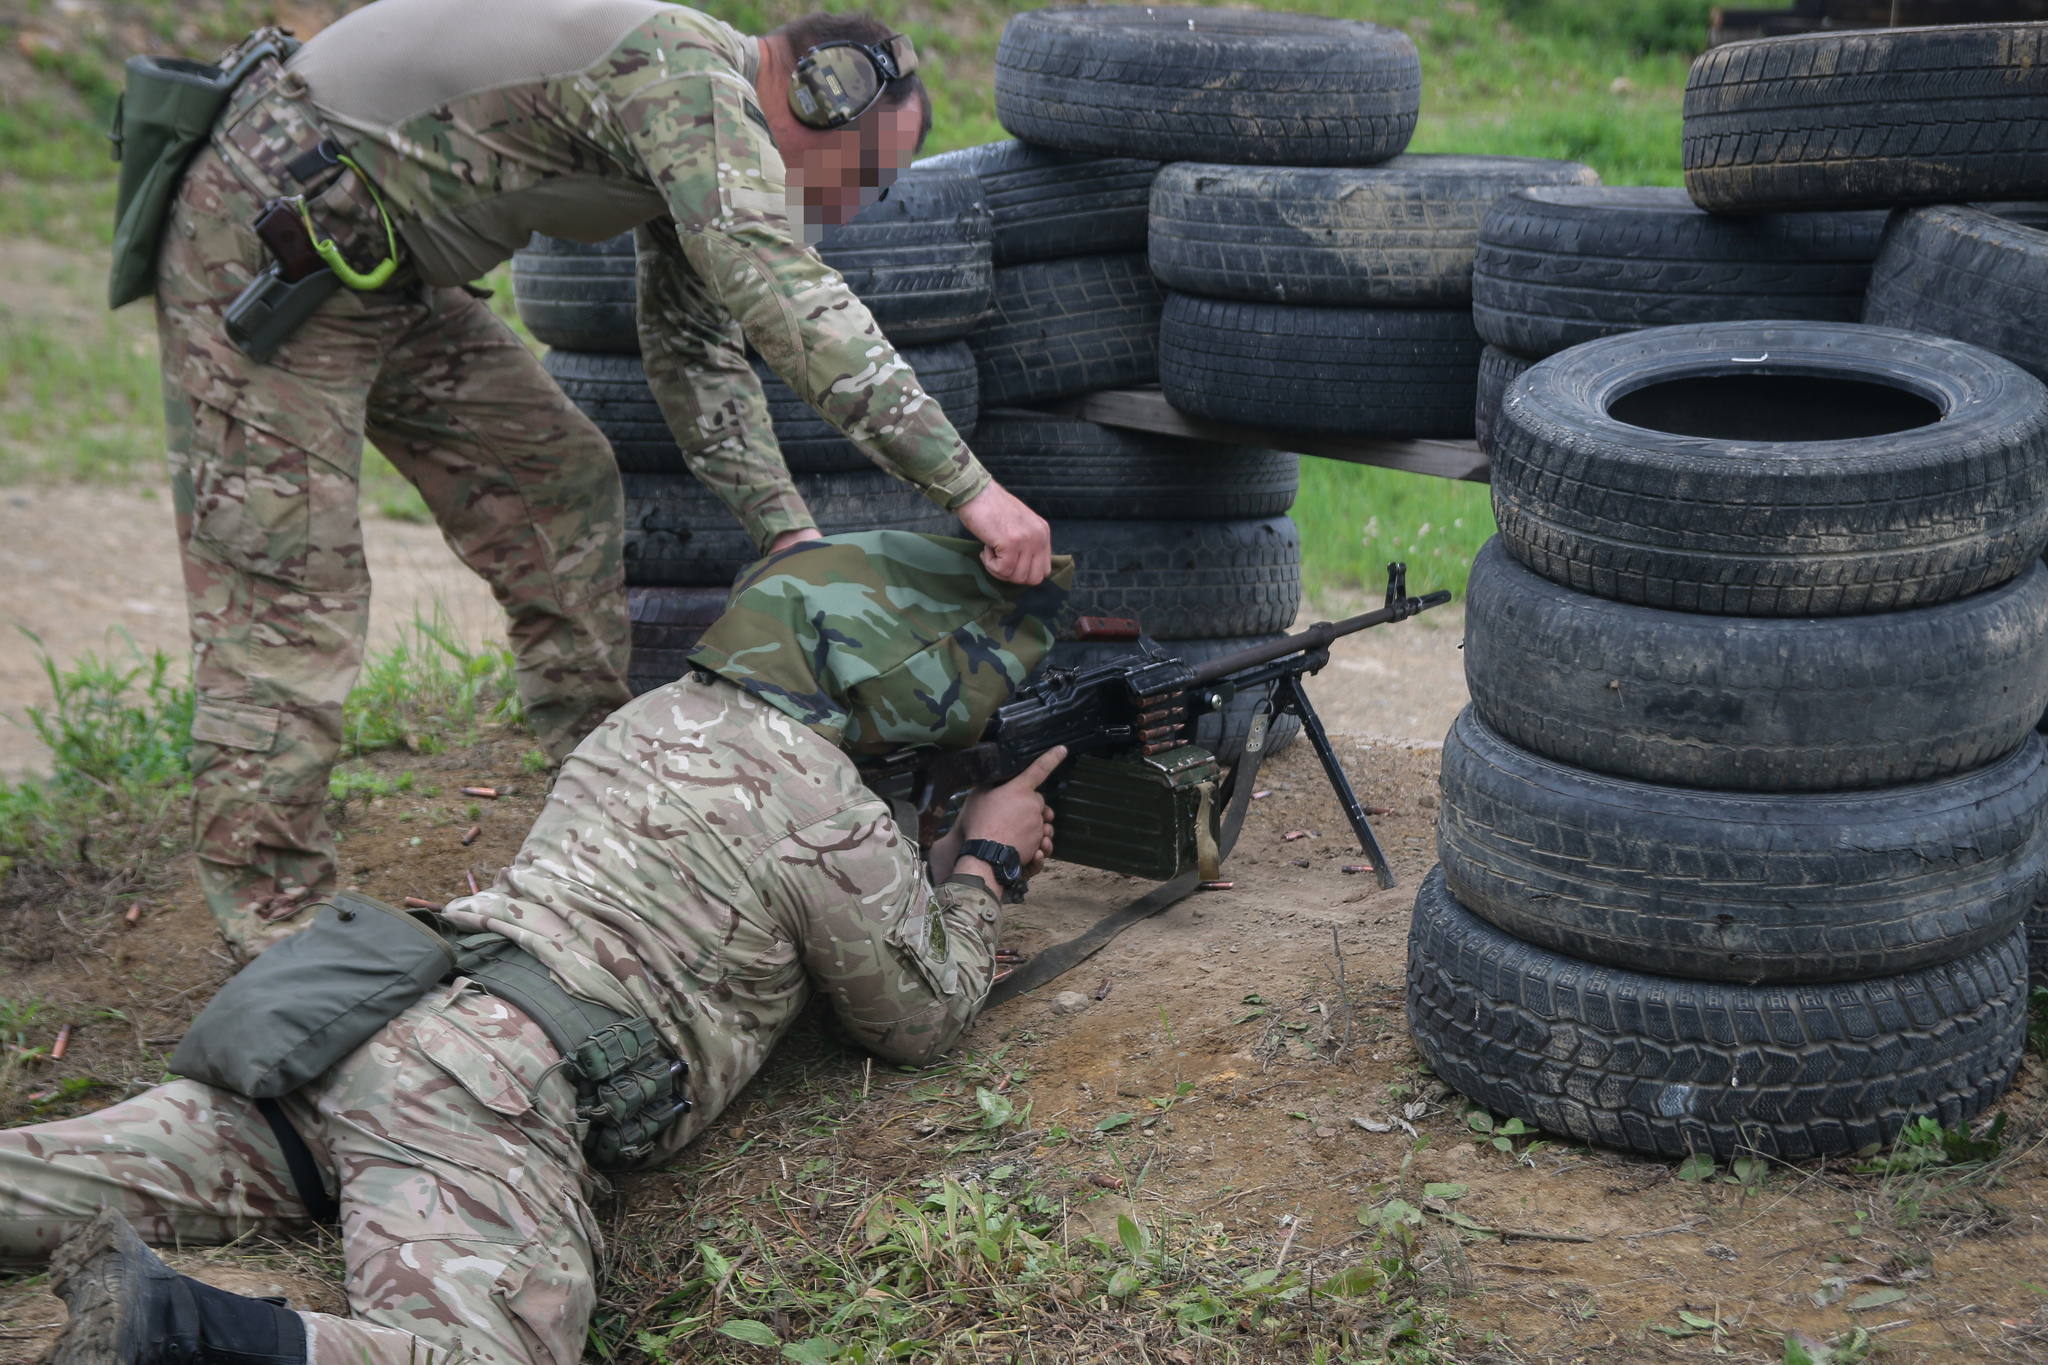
(630,1088)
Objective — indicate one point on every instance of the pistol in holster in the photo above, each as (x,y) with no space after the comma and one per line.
(287,291)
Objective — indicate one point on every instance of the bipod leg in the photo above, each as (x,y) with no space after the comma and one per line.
(1243,777)
(1296,697)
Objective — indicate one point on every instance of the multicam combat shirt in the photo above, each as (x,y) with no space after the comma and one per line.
(708,861)
(484,121)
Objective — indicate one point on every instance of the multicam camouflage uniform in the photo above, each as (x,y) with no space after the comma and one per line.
(708,857)
(648,118)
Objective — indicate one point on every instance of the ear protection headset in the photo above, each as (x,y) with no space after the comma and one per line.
(835,83)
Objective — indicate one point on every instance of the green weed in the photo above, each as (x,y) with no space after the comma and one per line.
(1924,1143)
(345,784)
(1354,519)
(429,690)
(117,728)
(102,826)
(16,1018)
(910,1267)
(79,397)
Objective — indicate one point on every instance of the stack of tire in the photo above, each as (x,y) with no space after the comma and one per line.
(1795,149)
(1740,828)
(1190,538)
(1317,280)
(1560,266)
(919,259)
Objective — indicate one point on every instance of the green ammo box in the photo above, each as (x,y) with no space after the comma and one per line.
(1133,814)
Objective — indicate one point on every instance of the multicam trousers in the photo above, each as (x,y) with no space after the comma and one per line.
(265,460)
(450,1136)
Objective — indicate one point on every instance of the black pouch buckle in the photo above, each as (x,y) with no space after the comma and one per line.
(309,165)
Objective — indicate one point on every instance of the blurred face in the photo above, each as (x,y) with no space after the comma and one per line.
(834,175)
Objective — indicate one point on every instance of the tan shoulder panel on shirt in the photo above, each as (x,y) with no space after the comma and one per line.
(396,59)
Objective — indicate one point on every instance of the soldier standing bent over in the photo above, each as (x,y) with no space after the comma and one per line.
(707,860)
(413,146)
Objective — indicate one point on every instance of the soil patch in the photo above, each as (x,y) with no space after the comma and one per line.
(1214,1038)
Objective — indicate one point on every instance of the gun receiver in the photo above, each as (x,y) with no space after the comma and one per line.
(1142,710)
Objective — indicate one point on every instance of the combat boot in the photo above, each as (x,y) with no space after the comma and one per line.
(129,1308)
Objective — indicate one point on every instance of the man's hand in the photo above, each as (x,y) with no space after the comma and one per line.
(789,538)
(1013,814)
(1016,542)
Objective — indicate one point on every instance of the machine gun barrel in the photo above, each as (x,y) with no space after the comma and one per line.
(1317,636)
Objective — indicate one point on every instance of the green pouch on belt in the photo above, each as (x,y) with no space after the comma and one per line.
(166,111)
(313,998)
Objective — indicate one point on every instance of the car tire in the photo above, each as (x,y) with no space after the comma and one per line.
(1184,580)
(1961,272)
(1774,469)
(1497,370)
(680,533)
(612,391)
(1398,235)
(1834,703)
(1869,119)
(1050,204)
(1062,328)
(1392,372)
(1559,266)
(1740,886)
(2037,946)
(1669,1067)
(920,259)
(1069,469)
(1241,86)
(578,296)
(667,623)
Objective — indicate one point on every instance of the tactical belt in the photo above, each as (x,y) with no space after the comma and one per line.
(629,1087)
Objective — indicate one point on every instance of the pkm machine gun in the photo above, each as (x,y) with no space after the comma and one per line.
(1136,794)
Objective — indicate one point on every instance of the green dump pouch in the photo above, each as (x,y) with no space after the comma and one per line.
(166,112)
(313,998)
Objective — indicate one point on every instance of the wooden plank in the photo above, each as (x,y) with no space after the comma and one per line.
(1148,410)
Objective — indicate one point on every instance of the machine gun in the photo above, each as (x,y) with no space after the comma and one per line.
(1136,794)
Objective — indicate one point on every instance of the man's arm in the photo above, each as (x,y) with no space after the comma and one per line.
(907,964)
(718,168)
(696,362)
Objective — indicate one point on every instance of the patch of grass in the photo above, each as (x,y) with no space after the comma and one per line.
(895,1280)
(388,493)
(429,691)
(1630,140)
(345,784)
(1001,1248)
(17,1017)
(103,827)
(117,729)
(1355,519)
(79,398)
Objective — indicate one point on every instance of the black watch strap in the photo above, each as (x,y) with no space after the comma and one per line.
(1001,858)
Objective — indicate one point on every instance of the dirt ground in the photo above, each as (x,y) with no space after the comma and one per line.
(1602,1248)
(80,565)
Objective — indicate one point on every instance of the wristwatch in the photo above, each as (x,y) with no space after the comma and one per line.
(1001,858)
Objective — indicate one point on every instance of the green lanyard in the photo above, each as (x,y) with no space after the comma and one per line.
(331,253)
